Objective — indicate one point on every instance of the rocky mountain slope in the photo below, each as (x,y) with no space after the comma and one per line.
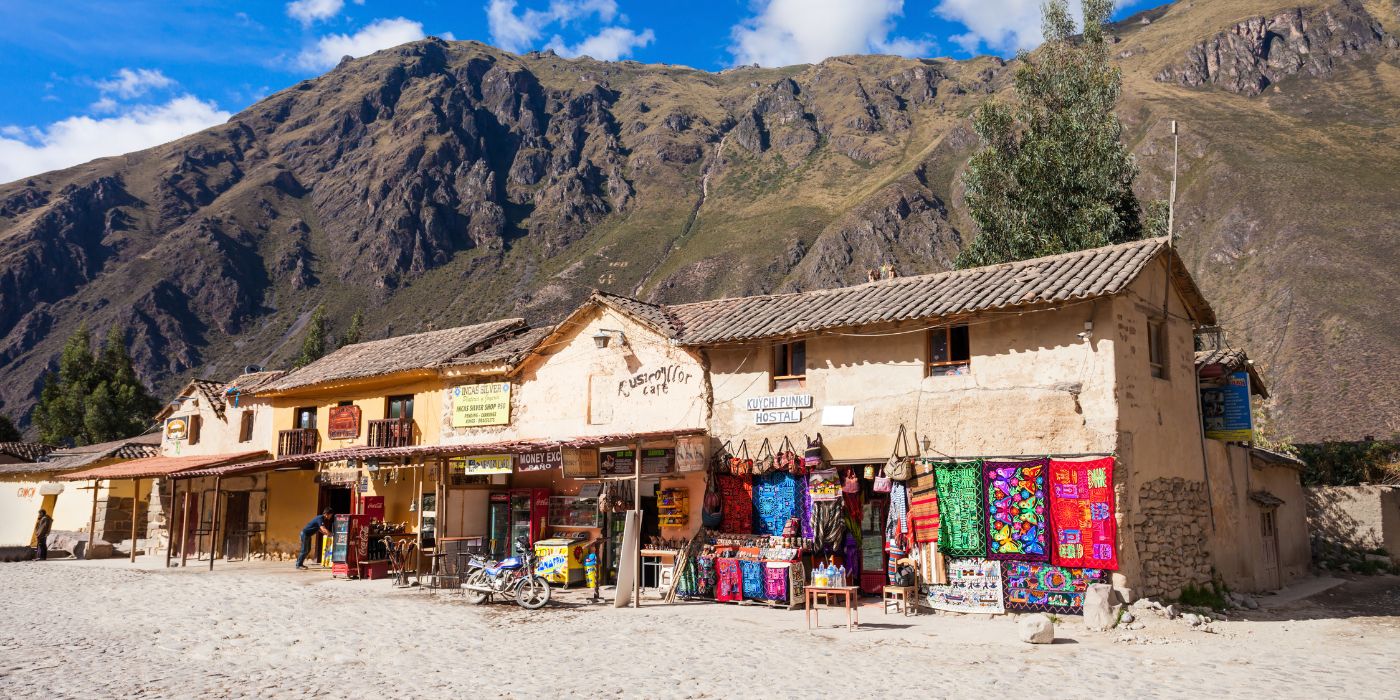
(440,183)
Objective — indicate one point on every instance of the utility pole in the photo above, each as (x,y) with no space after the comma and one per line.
(1171,202)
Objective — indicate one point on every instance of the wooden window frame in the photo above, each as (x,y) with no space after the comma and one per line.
(786,348)
(411,399)
(947,331)
(1157,346)
(296,417)
(245,425)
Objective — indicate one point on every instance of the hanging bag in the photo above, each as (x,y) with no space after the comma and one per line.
(883,483)
(712,509)
(765,462)
(852,483)
(719,463)
(899,467)
(788,460)
(739,463)
(812,458)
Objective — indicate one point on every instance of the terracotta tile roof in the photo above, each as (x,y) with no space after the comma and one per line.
(211,391)
(27,451)
(71,458)
(657,317)
(252,381)
(160,466)
(400,354)
(1056,279)
(1221,361)
(508,351)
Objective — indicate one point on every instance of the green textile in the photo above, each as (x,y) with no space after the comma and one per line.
(962,524)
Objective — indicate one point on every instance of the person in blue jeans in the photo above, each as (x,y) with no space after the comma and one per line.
(320,523)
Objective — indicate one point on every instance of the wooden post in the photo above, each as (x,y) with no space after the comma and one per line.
(637,506)
(170,521)
(185,526)
(92,523)
(135,508)
(214,528)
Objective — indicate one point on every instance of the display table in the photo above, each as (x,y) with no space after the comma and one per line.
(850,600)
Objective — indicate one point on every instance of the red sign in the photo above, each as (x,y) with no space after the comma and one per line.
(344,423)
(374,508)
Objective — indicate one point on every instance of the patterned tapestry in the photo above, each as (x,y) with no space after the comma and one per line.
(824,485)
(1083,530)
(729,584)
(751,572)
(974,586)
(775,581)
(1039,587)
(1016,517)
(775,501)
(736,494)
(961,520)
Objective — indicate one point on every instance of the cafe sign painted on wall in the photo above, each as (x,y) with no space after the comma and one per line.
(477,405)
(785,408)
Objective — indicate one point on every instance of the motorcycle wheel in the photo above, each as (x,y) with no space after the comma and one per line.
(477,578)
(533,593)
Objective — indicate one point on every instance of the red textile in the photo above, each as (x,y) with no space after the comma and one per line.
(737,495)
(729,580)
(1083,531)
(923,514)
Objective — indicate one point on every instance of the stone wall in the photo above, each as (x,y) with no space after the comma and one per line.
(114,519)
(1171,525)
(1362,518)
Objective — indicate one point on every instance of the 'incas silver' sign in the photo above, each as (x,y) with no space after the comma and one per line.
(770,410)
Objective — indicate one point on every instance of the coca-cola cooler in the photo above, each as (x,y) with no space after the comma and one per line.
(529,509)
(349,542)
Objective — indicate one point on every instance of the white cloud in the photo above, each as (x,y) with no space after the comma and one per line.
(26,151)
(608,45)
(1000,25)
(522,32)
(379,34)
(785,32)
(309,11)
(128,84)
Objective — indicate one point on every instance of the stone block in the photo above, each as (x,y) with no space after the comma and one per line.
(1036,629)
(1098,607)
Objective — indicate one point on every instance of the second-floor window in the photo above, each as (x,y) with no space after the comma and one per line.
(245,427)
(306,418)
(949,351)
(400,407)
(790,360)
(1157,348)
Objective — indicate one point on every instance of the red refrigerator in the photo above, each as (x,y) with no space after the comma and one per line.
(528,511)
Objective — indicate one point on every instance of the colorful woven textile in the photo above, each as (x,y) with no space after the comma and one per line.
(729,581)
(1016,517)
(806,515)
(737,493)
(897,520)
(961,520)
(752,574)
(828,525)
(704,577)
(1039,587)
(932,567)
(775,500)
(824,484)
(974,586)
(775,582)
(892,562)
(1083,530)
(923,513)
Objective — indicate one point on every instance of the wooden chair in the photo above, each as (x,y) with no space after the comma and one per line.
(902,597)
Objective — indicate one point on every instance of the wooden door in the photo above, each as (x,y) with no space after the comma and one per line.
(236,527)
(1268,533)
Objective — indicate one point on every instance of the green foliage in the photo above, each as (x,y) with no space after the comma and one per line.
(313,347)
(1053,175)
(91,398)
(1351,463)
(1212,597)
(356,330)
(8,431)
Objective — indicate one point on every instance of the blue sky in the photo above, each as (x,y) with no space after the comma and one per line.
(89,78)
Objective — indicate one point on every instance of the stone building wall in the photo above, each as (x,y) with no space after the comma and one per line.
(1171,526)
(1362,518)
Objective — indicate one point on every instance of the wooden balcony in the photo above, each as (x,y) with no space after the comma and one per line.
(301,441)
(393,432)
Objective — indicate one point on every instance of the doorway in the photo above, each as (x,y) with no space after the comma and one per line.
(337,498)
(1268,535)
(236,527)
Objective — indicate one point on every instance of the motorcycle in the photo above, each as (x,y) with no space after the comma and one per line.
(511,577)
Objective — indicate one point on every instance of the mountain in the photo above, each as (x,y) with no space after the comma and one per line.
(440,183)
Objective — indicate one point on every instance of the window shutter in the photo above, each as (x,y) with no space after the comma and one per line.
(194,429)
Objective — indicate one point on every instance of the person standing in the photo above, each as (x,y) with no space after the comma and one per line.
(320,523)
(41,534)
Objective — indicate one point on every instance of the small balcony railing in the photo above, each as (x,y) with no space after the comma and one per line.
(301,441)
(392,432)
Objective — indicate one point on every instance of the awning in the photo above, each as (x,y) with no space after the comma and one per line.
(1265,499)
(159,466)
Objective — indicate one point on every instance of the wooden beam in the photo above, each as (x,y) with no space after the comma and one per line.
(135,508)
(185,526)
(92,522)
(214,528)
(170,522)
(637,506)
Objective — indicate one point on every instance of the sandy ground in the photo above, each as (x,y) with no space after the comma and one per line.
(107,629)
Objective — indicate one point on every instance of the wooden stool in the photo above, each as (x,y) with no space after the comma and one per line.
(900,596)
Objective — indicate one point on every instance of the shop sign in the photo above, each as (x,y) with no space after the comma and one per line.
(339,476)
(177,429)
(343,423)
(482,464)
(579,463)
(658,460)
(653,382)
(617,462)
(538,461)
(774,417)
(1226,410)
(692,453)
(768,403)
(476,405)
(838,415)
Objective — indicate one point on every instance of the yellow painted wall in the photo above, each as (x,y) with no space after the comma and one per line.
(372,397)
(291,503)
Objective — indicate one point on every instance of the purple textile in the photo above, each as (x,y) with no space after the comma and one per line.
(806,514)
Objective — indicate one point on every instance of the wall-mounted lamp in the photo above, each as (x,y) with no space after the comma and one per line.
(602,337)
(1088,331)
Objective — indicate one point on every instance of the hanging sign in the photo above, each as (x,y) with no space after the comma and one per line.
(692,453)
(768,403)
(579,463)
(1226,410)
(658,461)
(617,462)
(482,464)
(775,417)
(343,423)
(177,429)
(538,461)
(476,405)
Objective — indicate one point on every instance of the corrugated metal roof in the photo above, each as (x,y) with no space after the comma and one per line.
(159,466)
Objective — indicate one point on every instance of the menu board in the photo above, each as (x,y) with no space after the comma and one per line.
(617,462)
(579,464)
(658,460)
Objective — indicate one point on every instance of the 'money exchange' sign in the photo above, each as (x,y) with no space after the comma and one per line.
(475,405)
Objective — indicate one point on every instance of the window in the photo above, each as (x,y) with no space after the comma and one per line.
(1157,348)
(194,422)
(400,407)
(245,427)
(790,360)
(306,418)
(949,351)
